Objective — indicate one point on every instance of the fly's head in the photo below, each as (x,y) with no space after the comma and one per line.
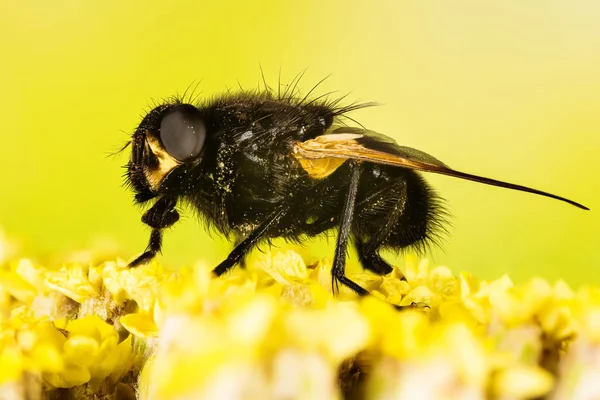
(166,145)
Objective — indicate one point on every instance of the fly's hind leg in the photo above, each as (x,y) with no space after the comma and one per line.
(338,270)
(371,260)
(368,244)
(368,255)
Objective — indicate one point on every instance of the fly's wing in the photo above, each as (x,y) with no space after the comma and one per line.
(322,155)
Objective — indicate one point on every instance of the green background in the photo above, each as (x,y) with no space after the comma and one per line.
(505,89)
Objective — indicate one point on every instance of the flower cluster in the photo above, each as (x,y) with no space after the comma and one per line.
(275,330)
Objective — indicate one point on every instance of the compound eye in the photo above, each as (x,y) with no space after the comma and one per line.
(183,132)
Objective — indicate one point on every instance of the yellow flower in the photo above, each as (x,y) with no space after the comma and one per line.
(276,330)
(90,353)
(14,285)
(522,382)
(140,324)
(336,332)
(140,284)
(11,364)
(73,282)
(284,267)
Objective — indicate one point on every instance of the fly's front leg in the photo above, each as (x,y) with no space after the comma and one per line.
(160,216)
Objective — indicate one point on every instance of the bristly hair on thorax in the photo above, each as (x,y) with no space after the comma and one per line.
(289,93)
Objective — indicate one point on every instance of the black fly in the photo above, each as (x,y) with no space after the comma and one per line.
(257,166)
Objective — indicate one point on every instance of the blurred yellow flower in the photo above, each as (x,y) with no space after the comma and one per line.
(276,330)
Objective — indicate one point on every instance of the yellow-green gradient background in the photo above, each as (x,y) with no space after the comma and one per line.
(506,89)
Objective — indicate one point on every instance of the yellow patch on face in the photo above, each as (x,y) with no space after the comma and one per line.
(166,163)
